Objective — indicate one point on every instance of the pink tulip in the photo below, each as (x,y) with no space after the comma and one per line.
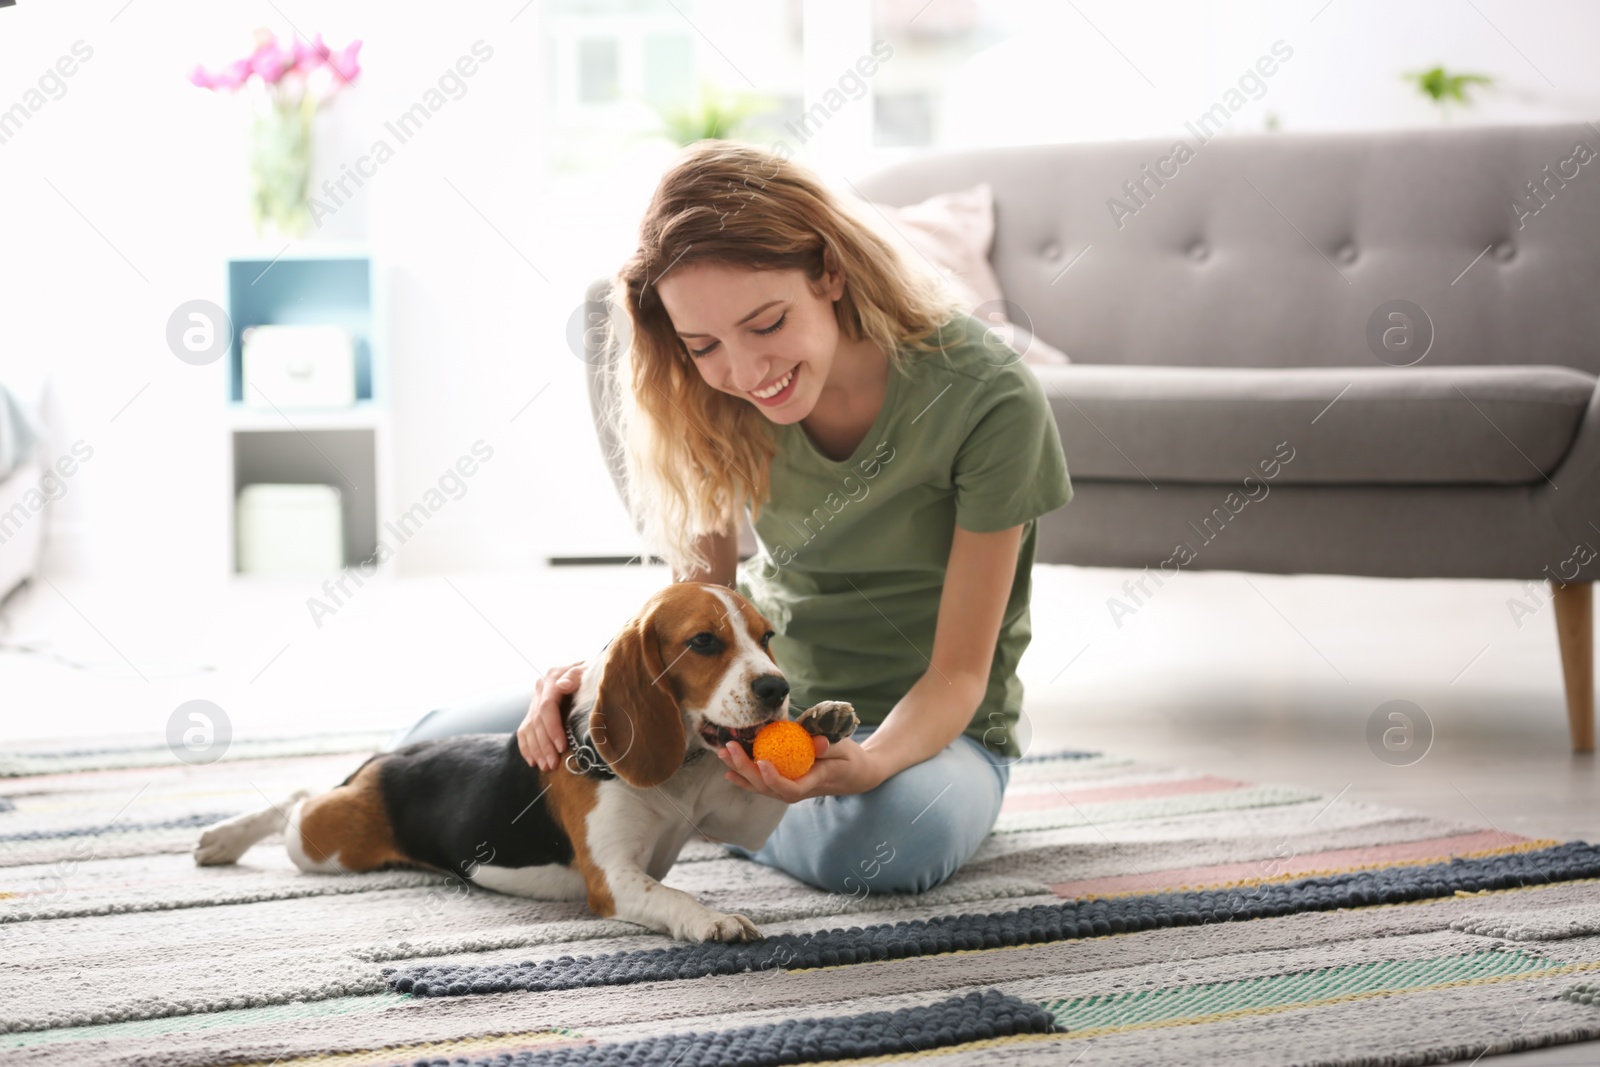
(344,62)
(237,73)
(309,56)
(230,77)
(272,62)
(268,61)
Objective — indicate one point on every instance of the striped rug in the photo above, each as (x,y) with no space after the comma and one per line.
(1120,913)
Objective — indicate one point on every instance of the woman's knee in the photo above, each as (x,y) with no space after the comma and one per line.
(869,856)
(899,839)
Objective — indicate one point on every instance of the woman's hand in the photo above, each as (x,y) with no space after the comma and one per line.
(840,770)
(542,738)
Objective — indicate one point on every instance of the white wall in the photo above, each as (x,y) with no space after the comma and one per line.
(155,167)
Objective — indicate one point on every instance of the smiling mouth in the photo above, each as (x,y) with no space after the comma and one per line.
(778,389)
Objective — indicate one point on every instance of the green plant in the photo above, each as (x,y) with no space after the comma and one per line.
(1443,89)
(716,116)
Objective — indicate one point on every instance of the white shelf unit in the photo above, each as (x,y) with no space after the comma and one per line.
(349,448)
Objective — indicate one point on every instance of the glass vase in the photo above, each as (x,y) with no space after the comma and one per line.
(280,166)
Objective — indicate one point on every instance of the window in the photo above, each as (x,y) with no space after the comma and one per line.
(598,70)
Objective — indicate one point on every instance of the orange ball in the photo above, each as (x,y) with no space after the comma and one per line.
(787,746)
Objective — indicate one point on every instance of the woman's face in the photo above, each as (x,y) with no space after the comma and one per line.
(760,335)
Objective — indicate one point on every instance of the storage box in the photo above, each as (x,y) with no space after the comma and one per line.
(298,367)
(290,529)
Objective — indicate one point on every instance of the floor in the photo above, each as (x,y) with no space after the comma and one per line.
(1263,678)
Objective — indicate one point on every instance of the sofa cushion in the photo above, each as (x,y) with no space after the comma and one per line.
(1413,425)
(949,236)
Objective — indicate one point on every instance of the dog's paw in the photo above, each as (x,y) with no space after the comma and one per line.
(220,845)
(833,719)
(716,927)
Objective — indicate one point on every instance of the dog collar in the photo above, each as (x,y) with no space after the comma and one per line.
(584,758)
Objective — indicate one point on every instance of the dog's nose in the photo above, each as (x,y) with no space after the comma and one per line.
(771,688)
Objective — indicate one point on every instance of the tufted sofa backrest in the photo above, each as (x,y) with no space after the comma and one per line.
(1277,249)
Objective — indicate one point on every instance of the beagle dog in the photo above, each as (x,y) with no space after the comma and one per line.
(690,672)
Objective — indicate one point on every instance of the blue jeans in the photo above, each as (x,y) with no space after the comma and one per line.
(500,712)
(906,836)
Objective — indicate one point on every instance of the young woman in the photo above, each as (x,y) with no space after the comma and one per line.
(892,457)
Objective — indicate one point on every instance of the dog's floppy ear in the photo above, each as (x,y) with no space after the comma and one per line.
(635,722)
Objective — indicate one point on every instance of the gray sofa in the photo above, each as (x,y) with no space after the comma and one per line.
(1245,383)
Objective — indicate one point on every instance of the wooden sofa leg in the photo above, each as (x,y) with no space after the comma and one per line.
(1575,631)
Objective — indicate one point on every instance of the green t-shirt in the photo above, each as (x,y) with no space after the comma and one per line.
(853,553)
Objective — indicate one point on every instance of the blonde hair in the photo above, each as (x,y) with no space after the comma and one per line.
(693,455)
